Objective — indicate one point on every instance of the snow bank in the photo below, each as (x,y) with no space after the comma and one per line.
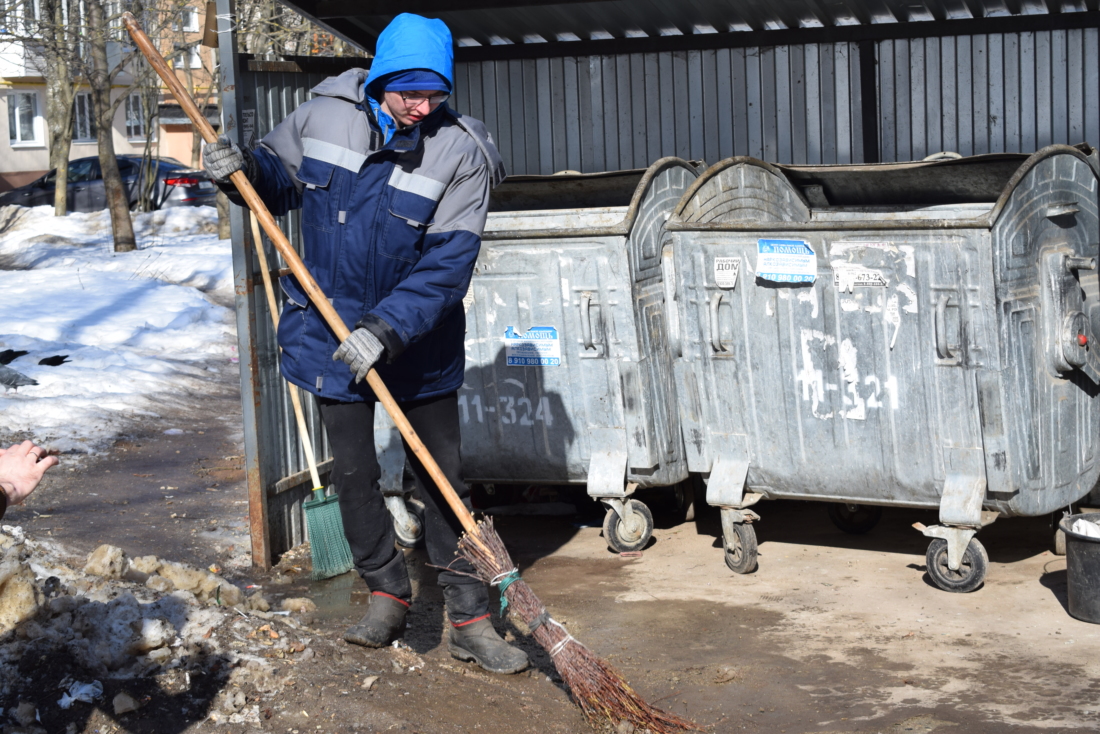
(140,329)
(177,245)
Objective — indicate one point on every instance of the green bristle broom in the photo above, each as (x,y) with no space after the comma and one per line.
(328,546)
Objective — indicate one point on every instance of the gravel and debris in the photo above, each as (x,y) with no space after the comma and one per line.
(113,632)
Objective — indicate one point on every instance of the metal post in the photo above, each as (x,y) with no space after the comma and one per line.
(245,302)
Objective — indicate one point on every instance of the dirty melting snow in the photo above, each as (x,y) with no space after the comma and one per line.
(118,619)
(141,329)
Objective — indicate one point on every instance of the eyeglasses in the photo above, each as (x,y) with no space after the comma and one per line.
(414,100)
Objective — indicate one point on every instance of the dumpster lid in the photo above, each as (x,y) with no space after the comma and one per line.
(574,204)
(973,179)
(566,190)
(968,180)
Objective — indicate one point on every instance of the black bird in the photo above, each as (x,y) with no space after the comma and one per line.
(11,378)
(54,361)
(8,355)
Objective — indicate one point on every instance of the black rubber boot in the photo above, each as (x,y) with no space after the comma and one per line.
(478,642)
(383,623)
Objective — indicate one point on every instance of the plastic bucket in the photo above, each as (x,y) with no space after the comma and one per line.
(1082,570)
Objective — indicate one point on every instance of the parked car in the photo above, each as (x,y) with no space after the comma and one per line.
(176,185)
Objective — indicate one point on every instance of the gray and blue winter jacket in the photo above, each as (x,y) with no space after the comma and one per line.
(390,231)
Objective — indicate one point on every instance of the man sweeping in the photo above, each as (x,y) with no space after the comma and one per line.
(394,189)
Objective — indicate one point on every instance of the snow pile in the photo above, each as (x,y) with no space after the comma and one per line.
(177,245)
(126,623)
(78,638)
(141,329)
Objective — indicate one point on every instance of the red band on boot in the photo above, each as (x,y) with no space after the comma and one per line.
(391,596)
(476,619)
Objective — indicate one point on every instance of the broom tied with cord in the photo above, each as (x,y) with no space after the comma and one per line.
(601,692)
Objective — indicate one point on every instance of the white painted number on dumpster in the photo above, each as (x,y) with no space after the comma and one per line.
(539,347)
(786,261)
(726,270)
(512,410)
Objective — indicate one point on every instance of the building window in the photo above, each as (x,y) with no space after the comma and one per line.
(187,57)
(188,21)
(135,118)
(83,118)
(22,116)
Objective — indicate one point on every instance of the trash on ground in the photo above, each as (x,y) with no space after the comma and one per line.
(86,692)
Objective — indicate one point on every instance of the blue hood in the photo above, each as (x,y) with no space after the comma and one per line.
(413,42)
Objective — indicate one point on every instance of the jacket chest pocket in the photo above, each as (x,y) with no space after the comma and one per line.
(409,218)
(321,195)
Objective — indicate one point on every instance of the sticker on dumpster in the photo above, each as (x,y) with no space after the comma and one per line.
(848,277)
(726,270)
(786,261)
(539,347)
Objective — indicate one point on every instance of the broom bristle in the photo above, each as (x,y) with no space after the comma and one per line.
(601,692)
(328,548)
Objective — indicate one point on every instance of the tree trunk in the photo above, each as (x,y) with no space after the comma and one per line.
(99,80)
(196,145)
(60,95)
(224,232)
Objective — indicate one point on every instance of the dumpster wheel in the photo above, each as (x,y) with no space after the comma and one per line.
(411,536)
(741,558)
(624,540)
(972,570)
(854,519)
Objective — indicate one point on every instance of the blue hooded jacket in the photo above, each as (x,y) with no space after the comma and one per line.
(390,228)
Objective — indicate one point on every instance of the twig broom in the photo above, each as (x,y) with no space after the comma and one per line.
(328,546)
(601,692)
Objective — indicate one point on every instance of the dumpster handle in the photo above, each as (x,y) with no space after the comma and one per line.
(942,348)
(715,335)
(668,275)
(586,321)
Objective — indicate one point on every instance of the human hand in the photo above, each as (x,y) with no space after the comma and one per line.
(21,468)
(222,158)
(360,351)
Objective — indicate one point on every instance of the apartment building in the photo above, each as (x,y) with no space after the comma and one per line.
(24,153)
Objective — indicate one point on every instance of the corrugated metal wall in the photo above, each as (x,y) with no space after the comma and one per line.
(599,113)
(788,104)
(264,99)
(988,94)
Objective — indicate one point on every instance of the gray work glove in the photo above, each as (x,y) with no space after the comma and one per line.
(222,158)
(360,350)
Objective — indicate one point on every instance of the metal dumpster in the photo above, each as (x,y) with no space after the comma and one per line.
(916,335)
(568,373)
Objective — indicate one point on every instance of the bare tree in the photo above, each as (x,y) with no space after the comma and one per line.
(100,75)
(44,31)
(147,85)
(201,82)
(268,28)
(58,49)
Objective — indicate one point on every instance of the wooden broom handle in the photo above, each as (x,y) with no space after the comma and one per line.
(309,285)
(273,308)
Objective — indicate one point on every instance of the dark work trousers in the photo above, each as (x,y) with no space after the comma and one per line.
(368,525)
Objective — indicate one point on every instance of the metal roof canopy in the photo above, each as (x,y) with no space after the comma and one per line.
(498,29)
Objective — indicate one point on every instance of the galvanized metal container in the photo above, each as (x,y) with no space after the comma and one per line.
(900,334)
(568,372)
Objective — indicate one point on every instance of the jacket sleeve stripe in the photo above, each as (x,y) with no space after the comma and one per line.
(334,154)
(414,183)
